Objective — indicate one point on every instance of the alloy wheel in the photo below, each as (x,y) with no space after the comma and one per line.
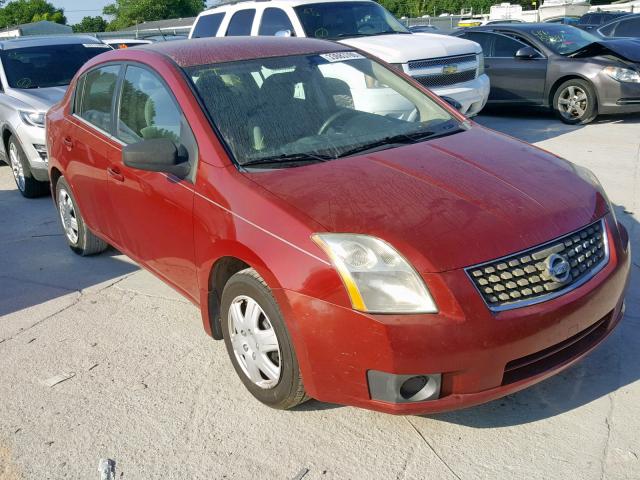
(254,342)
(573,102)
(16,167)
(68,216)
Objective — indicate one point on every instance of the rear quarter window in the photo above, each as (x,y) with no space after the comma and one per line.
(207,25)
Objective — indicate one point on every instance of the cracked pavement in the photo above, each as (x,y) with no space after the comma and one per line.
(153,392)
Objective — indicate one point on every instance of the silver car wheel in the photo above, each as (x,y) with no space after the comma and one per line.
(254,342)
(16,167)
(573,102)
(68,216)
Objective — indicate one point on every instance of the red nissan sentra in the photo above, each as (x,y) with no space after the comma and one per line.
(350,236)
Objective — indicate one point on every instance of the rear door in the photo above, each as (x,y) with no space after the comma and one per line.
(513,80)
(154,210)
(89,144)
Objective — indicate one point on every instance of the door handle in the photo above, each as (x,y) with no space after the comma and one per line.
(114,172)
(68,142)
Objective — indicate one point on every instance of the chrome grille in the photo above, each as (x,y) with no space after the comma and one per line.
(441,62)
(526,278)
(445,80)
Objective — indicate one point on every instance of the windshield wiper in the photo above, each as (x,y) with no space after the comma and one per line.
(289,159)
(403,138)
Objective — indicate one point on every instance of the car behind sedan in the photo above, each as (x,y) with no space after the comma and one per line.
(35,72)
(410,262)
(577,74)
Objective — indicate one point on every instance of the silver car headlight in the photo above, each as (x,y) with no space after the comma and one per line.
(623,74)
(33,119)
(377,278)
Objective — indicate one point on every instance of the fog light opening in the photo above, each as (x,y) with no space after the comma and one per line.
(418,388)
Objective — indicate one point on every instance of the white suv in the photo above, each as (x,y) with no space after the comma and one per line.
(449,66)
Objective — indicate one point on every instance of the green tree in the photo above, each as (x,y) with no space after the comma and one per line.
(27,11)
(416,8)
(131,12)
(90,25)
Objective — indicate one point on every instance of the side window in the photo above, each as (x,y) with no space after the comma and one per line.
(274,20)
(484,39)
(607,30)
(97,96)
(628,28)
(585,19)
(147,109)
(207,25)
(241,22)
(506,47)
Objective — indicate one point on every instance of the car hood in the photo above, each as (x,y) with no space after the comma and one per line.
(446,203)
(402,48)
(39,98)
(626,49)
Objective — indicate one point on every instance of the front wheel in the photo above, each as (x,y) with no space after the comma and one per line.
(575,102)
(79,238)
(258,342)
(28,186)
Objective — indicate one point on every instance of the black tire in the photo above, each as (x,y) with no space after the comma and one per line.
(27,185)
(84,242)
(289,390)
(575,102)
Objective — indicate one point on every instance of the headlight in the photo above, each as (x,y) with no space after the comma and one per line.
(623,74)
(590,177)
(480,63)
(378,279)
(34,119)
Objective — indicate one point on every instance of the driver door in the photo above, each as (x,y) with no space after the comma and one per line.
(154,210)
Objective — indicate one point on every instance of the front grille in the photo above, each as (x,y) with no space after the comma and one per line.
(527,277)
(442,61)
(445,80)
(555,355)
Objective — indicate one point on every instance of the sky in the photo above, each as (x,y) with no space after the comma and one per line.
(75,10)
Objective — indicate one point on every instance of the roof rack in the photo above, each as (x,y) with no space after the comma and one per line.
(233,2)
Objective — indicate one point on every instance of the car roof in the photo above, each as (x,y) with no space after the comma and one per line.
(272,3)
(204,51)
(521,27)
(42,40)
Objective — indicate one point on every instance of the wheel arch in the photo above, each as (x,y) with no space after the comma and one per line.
(54,176)
(561,80)
(231,260)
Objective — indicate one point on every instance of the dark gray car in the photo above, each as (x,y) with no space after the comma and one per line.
(577,74)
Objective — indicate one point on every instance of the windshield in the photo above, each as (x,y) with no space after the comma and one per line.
(347,19)
(300,109)
(563,39)
(47,65)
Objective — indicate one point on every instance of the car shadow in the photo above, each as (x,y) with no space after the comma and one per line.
(36,265)
(612,366)
(536,124)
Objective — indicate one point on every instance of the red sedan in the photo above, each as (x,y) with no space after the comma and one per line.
(349,235)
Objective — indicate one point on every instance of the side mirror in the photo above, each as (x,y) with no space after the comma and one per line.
(453,102)
(526,53)
(157,155)
(284,33)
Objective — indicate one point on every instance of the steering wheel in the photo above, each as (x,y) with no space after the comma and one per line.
(332,119)
(366,26)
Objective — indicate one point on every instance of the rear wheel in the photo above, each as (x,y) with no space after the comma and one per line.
(79,238)
(28,186)
(575,102)
(258,342)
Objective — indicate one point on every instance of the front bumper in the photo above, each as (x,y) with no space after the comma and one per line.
(471,95)
(30,137)
(481,355)
(616,97)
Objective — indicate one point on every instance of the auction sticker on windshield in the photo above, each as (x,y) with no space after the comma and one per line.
(341,56)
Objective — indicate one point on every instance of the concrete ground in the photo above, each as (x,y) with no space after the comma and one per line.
(151,391)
